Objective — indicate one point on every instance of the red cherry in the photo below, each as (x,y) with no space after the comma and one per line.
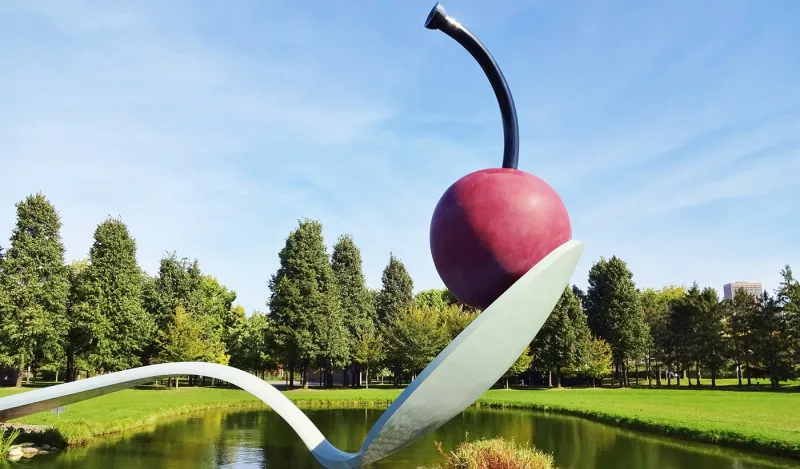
(490,228)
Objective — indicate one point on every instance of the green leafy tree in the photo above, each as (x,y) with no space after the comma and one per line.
(520,366)
(772,339)
(355,298)
(415,336)
(214,302)
(555,347)
(396,293)
(599,362)
(739,314)
(369,350)
(82,334)
(394,297)
(434,298)
(456,319)
(177,284)
(304,303)
(182,341)
(615,312)
(656,308)
(709,334)
(33,317)
(114,300)
(251,343)
(788,299)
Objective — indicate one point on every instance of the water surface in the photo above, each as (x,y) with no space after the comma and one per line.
(261,439)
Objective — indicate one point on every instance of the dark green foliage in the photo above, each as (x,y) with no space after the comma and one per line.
(708,333)
(615,311)
(81,338)
(354,296)
(434,298)
(396,293)
(33,317)
(557,346)
(304,303)
(114,299)
(773,340)
(415,336)
(252,344)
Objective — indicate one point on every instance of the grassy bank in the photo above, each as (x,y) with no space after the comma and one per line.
(763,421)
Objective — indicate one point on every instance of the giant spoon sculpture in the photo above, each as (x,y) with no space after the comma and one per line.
(500,239)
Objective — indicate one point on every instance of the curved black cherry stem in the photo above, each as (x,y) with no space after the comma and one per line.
(438,19)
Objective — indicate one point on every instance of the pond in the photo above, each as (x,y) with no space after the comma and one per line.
(260,439)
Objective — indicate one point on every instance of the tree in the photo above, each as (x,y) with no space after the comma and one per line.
(182,341)
(709,334)
(215,304)
(788,298)
(738,316)
(358,311)
(656,307)
(415,336)
(555,346)
(81,338)
(114,298)
(33,319)
(396,292)
(304,302)
(599,362)
(615,312)
(251,343)
(772,340)
(520,366)
(394,297)
(369,349)
(455,320)
(433,298)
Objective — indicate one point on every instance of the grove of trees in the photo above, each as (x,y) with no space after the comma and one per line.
(104,313)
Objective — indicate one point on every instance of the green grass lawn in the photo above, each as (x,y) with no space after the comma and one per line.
(765,421)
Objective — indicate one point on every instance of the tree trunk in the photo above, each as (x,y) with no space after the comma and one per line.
(366,373)
(291,377)
(623,382)
(20,373)
(305,375)
(649,369)
(549,379)
(636,371)
(739,372)
(697,368)
(749,380)
(713,377)
(558,377)
(658,375)
(505,379)
(71,375)
(56,375)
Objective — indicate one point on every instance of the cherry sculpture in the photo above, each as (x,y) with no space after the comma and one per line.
(492,226)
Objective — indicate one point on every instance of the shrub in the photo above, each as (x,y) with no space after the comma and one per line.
(495,453)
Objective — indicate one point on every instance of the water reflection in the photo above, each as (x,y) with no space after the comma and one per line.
(260,439)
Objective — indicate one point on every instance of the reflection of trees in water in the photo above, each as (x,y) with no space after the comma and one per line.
(261,439)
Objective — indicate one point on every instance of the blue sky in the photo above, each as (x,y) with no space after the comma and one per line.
(671,130)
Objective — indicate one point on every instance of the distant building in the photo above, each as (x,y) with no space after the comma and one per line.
(753,288)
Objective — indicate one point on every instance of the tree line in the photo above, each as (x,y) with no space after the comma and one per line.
(104,313)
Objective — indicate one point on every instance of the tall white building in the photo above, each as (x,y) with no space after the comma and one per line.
(753,288)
